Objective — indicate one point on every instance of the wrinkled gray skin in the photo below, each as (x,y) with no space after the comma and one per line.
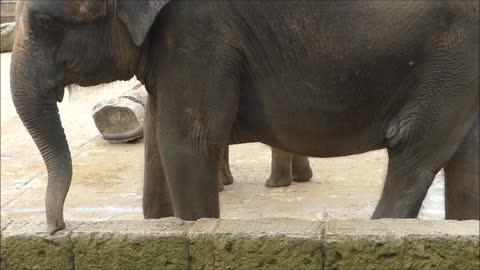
(285,168)
(314,78)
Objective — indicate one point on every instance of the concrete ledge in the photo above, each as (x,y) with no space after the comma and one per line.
(243,244)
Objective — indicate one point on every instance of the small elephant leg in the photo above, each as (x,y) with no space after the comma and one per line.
(301,170)
(220,178)
(156,198)
(224,174)
(227,177)
(462,179)
(281,169)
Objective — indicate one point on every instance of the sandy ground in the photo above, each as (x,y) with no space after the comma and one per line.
(107,180)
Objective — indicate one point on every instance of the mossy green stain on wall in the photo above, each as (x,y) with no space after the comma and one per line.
(365,252)
(439,253)
(268,252)
(111,251)
(37,253)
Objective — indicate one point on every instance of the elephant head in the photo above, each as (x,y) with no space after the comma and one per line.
(59,43)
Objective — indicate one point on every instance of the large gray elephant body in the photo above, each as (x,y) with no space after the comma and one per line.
(315,78)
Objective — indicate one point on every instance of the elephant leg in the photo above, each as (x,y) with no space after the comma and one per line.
(156,197)
(405,188)
(281,170)
(198,100)
(301,170)
(224,174)
(462,179)
(192,132)
(412,167)
(193,180)
(421,139)
(220,177)
(227,177)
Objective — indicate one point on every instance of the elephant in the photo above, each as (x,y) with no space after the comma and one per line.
(285,168)
(314,78)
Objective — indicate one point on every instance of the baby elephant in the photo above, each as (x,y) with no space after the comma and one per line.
(285,168)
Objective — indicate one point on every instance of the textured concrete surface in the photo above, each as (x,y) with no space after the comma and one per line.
(272,243)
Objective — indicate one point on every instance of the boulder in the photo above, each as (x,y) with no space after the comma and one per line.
(7,35)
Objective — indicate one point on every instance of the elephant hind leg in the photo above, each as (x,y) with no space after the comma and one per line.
(301,170)
(462,175)
(281,169)
(287,167)
(224,174)
(405,188)
(413,163)
(426,132)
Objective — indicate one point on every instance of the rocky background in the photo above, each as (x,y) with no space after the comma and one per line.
(7,16)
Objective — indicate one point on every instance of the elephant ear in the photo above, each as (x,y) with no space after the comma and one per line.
(139,16)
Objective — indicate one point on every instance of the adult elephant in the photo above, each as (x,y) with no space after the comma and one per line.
(315,78)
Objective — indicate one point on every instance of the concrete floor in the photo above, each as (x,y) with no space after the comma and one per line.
(107,180)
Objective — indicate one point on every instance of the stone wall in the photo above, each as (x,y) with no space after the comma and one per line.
(243,244)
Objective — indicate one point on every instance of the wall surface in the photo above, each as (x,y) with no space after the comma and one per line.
(243,244)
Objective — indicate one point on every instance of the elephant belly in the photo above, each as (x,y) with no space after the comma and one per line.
(319,84)
(298,121)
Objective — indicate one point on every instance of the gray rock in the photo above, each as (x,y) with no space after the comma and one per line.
(7,36)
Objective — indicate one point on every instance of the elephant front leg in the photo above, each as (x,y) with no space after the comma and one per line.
(156,197)
(191,138)
(281,170)
(198,96)
(192,179)
(191,146)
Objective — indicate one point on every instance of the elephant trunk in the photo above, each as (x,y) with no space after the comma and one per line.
(37,108)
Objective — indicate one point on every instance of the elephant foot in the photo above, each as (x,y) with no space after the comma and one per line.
(278,182)
(303,176)
(228,179)
(53,228)
(220,185)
